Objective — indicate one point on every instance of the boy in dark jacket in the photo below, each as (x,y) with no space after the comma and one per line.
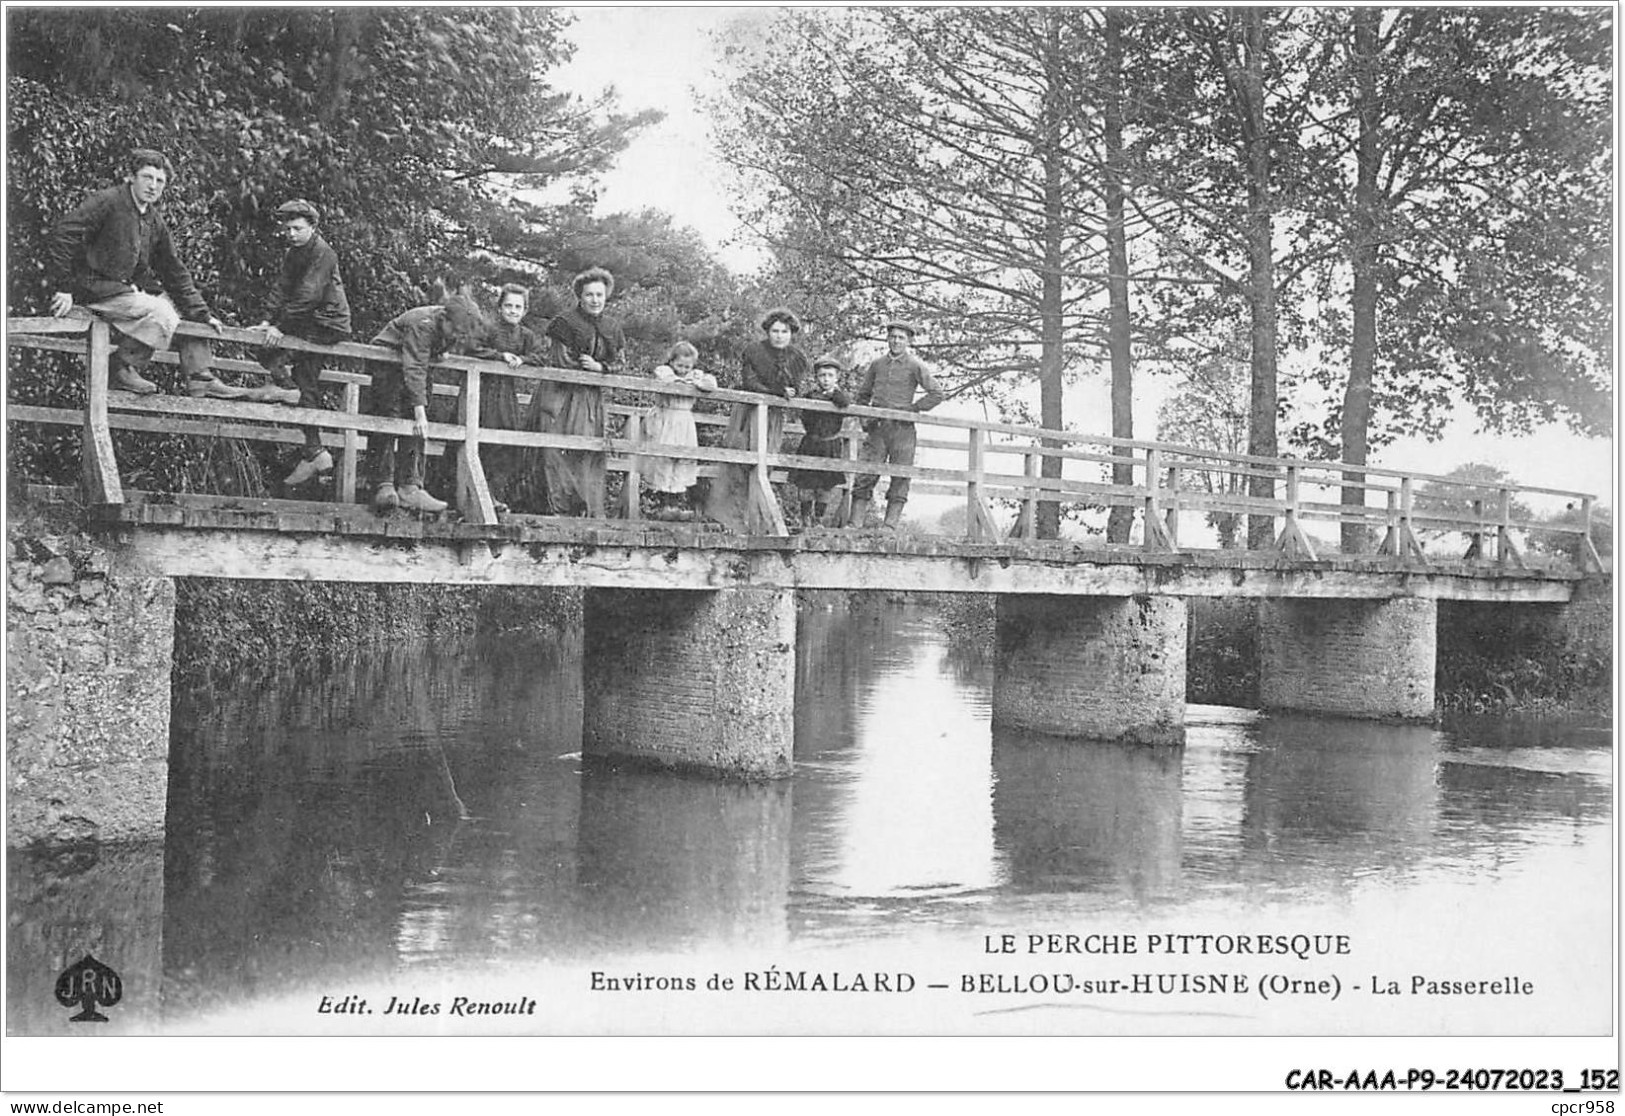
(822,439)
(309,303)
(113,254)
(423,335)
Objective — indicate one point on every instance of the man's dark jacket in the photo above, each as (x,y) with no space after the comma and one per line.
(310,291)
(105,248)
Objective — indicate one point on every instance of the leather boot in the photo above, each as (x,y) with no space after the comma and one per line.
(212,387)
(386,497)
(894,512)
(415,498)
(860,512)
(309,469)
(124,378)
(271,393)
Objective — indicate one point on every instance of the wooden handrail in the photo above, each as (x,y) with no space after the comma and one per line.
(18,334)
(1160,506)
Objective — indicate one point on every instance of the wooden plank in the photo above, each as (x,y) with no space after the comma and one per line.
(77,323)
(632,490)
(98,464)
(59,416)
(764,504)
(473,490)
(1292,541)
(352,446)
(1172,504)
(1026,525)
(978,519)
(1155,534)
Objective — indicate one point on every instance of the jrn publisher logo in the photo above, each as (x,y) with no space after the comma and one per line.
(88,984)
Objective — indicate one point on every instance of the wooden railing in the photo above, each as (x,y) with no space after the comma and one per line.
(1002,462)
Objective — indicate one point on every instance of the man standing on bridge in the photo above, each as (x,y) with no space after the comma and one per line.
(891,381)
(114,254)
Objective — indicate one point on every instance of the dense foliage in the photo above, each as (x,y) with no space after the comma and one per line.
(416,130)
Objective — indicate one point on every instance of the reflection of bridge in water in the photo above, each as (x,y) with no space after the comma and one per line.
(690,633)
(327,854)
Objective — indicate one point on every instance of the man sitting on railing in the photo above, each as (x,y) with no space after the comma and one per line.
(891,382)
(114,255)
(423,335)
(307,302)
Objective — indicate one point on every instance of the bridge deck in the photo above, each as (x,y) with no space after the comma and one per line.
(203,536)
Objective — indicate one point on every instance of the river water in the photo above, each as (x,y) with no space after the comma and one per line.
(317,859)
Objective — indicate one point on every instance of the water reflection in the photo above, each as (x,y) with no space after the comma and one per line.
(667,861)
(1087,816)
(317,833)
(315,830)
(1326,801)
(900,798)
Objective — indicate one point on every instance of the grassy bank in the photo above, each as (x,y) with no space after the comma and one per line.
(226,628)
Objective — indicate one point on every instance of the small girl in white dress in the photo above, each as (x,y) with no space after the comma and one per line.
(670,422)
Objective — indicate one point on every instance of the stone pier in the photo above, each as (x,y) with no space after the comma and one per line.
(690,680)
(1350,658)
(1101,668)
(87,716)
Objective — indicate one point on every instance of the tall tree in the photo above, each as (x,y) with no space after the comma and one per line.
(940,163)
(1119,333)
(1219,170)
(1477,267)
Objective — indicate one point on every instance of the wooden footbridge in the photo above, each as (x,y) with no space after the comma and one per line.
(994,468)
(689,630)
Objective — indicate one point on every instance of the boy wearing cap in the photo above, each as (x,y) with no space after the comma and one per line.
(307,302)
(114,255)
(891,381)
(423,335)
(822,439)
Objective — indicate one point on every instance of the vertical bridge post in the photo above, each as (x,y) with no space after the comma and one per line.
(352,445)
(633,492)
(474,494)
(1506,547)
(763,504)
(99,466)
(978,520)
(1156,527)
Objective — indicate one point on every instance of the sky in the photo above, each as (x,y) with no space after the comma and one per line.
(663,58)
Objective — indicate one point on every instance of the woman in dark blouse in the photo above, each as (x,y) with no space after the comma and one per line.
(580,338)
(771,366)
